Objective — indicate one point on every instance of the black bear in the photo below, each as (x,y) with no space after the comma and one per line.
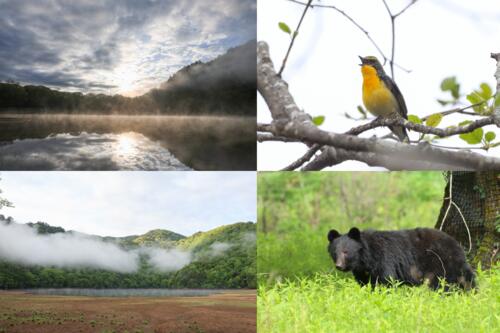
(409,256)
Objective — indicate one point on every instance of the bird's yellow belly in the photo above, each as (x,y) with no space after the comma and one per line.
(379,101)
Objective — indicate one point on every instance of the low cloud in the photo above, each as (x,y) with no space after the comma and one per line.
(218,248)
(22,244)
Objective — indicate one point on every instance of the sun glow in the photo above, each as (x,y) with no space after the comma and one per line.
(126,145)
(126,79)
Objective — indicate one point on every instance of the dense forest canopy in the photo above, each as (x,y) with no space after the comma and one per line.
(223,86)
(233,268)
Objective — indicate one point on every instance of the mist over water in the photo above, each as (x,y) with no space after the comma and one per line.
(88,151)
(22,244)
(100,142)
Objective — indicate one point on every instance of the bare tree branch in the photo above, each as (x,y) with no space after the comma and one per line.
(304,159)
(458,110)
(333,156)
(291,122)
(295,34)
(440,132)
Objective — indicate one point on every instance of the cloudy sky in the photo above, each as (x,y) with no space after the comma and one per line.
(109,46)
(434,39)
(127,203)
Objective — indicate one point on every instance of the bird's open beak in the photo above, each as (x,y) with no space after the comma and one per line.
(362,60)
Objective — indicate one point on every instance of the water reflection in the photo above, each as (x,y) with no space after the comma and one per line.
(88,151)
(127,144)
(202,143)
(127,292)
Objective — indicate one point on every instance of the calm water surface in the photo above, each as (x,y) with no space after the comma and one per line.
(127,292)
(97,142)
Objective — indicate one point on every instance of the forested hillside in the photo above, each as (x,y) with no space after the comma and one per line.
(223,86)
(221,258)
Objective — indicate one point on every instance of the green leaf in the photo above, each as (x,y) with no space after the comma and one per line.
(486,91)
(318,120)
(434,119)
(474,137)
(284,27)
(475,98)
(443,102)
(448,83)
(414,119)
(490,136)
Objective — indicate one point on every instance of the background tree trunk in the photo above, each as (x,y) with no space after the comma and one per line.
(477,197)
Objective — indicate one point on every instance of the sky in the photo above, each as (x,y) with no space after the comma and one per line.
(434,39)
(109,46)
(130,203)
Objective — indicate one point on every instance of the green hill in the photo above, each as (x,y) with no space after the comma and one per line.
(224,257)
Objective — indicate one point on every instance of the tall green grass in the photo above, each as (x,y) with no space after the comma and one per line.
(329,303)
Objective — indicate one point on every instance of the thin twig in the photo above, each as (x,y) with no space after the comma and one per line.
(304,159)
(295,34)
(404,9)
(458,110)
(363,30)
(393,30)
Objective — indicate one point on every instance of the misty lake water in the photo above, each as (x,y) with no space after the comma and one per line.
(127,292)
(117,142)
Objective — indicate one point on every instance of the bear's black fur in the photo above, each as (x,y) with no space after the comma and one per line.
(409,256)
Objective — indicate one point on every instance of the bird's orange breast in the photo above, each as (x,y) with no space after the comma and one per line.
(377,98)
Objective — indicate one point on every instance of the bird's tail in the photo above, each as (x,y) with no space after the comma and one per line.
(400,133)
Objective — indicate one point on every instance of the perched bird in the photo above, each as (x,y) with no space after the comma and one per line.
(381,95)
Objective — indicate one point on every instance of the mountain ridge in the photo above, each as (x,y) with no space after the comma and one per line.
(225,85)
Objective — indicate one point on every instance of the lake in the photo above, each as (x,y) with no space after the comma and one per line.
(118,142)
(126,292)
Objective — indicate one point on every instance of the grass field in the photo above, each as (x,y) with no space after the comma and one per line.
(329,303)
(232,311)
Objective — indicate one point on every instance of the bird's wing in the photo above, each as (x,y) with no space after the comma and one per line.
(391,85)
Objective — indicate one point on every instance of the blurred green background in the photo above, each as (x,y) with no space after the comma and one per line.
(297,209)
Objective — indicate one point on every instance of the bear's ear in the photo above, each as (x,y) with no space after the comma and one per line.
(332,235)
(354,233)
